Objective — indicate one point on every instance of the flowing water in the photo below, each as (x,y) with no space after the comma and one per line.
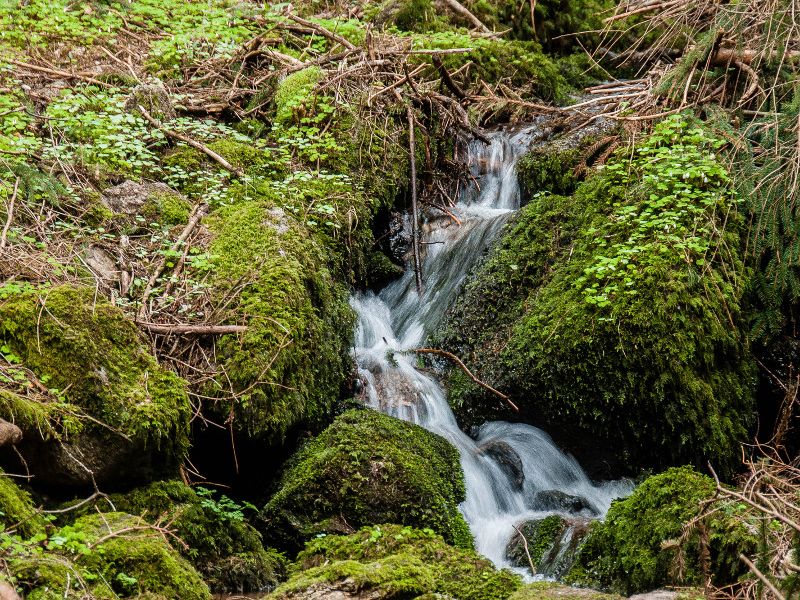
(506,464)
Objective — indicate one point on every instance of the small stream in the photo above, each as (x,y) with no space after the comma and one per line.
(398,319)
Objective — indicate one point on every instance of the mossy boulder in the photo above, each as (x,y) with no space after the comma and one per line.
(635,549)
(115,555)
(368,468)
(270,274)
(18,515)
(392,561)
(551,544)
(128,419)
(549,590)
(615,315)
(220,543)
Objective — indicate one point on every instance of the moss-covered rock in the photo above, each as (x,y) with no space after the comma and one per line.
(551,544)
(115,554)
(368,468)
(133,416)
(615,314)
(289,366)
(548,590)
(18,515)
(635,548)
(391,561)
(222,546)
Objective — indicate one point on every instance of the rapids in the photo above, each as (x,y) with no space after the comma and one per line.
(398,319)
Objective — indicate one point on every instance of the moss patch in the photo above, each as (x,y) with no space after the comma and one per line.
(546,590)
(17,512)
(633,550)
(391,561)
(616,313)
(291,362)
(87,350)
(369,468)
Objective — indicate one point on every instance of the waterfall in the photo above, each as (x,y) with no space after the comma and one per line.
(499,495)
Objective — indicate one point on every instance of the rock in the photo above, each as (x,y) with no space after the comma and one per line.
(154,98)
(508,460)
(399,238)
(368,468)
(556,500)
(548,590)
(129,197)
(552,543)
(102,264)
(657,595)
(7,592)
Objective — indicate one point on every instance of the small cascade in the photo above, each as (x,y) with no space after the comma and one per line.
(508,465)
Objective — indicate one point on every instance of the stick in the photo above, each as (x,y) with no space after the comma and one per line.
(59,73)
(448,81)
(197,213)
(322,31)
(193,329)
(469,374)
(527,551)
(10,216)
(762,577)
(414,211)
(460,9)
(193,143)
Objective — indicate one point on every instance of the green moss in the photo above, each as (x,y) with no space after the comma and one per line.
(142,555)
(294,95)
(167,209)
(549,169)
(293,358)
(616,313)
(17,511)
(223,547)
(546,590)
(392,561)
(634,549)
(87,349)
(369,468)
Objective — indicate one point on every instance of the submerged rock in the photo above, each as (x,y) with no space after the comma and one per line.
(551,544)
(556,500)
(508,459)
(368,468)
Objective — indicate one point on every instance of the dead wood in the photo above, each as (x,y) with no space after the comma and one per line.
(467,372)
(462,11)
(10,434)
(185,329)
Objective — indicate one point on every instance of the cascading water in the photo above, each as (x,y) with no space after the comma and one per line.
(398,319)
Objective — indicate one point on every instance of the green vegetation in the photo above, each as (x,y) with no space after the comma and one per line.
(546,590)
(636,548)
(392,561)
(618,309)
(18,515)
(217,539)
(368,468)
(94,361)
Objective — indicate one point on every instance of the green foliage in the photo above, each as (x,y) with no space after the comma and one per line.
(634,549)
(661,373)
(289,365)
(220,544)
(18,515)
(74,342)
(392,561)
(368,468)
(549,169)
(548,590)
(167,209)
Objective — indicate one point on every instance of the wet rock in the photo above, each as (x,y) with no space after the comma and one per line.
(556,500)
(508,460)
(551,544)
(399,238)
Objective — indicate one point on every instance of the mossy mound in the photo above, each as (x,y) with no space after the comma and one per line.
(113,555)
(220,543)
(635,548)
(547,590)
(615,314)
(392,561)
(133,415)
(290,364)
(368,468)
(18,515)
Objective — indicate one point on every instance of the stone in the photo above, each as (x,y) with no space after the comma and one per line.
(508,460)
(556,500)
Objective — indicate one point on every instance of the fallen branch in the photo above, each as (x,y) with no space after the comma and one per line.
(10,216)
(185,329)
(334,37)
(764,579)
(461,10)
(467,372)
(448,81)
(193,143)
(10,434)
(525,547)
(414,212)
